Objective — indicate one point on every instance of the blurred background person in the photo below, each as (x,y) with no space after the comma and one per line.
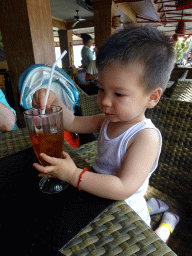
(86,54)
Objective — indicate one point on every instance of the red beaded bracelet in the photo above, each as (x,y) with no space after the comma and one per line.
(80,177)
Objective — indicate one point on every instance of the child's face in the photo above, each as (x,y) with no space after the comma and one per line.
(121,96)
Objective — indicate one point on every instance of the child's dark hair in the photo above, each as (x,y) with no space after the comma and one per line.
(145,45)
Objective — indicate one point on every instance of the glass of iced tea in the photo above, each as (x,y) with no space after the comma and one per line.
(47,136)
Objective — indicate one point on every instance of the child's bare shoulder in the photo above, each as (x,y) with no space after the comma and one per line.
(145,138)
(148,136)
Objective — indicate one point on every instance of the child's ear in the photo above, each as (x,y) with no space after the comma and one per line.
(154,97)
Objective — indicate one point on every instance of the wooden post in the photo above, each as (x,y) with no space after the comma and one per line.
(103,13)
(26,28)
(65,38)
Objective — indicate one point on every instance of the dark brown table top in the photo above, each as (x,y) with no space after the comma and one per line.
(32,216)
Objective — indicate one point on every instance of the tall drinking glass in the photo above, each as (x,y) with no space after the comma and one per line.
(47,136)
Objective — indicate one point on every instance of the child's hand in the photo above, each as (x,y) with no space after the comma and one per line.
(62,169)
(39,99)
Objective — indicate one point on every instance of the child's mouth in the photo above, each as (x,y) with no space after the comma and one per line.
(108,114)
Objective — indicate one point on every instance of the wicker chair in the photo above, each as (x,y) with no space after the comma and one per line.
(170,89)
(88,105)
(178,73)
(183,90)
(172,180)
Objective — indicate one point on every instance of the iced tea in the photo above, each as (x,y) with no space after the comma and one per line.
(50,144)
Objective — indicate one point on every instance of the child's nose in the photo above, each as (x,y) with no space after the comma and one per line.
(106,101)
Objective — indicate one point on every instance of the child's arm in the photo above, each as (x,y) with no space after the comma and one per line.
(137,164)
(72,123)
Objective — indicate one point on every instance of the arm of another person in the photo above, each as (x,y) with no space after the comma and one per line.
(7,118)
(135,168)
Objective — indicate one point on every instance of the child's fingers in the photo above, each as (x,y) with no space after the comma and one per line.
(49,159)
(47,175)
(41,98)
(41,175)
(66,155)
(43,169)
(34,102)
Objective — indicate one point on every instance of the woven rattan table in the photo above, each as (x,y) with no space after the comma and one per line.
(117,231)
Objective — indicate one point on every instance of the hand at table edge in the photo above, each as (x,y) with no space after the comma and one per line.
(60,168)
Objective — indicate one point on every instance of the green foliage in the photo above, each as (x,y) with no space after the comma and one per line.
(181,47)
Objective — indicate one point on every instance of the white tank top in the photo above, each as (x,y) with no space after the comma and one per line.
(111,153)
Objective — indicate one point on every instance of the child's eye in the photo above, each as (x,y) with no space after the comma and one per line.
(118,94)
(100,89)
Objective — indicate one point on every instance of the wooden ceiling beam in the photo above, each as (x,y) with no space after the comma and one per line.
(167,11)
(170,6)
(174,13)
(128,12)
(59,24)
(174,17)
(145,18)
(165,21)
(126,1)
(162,2)
(178,14)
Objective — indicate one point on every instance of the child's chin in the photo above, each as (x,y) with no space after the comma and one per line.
(112,118)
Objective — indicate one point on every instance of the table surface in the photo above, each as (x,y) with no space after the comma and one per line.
(34,223)
(52,219)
